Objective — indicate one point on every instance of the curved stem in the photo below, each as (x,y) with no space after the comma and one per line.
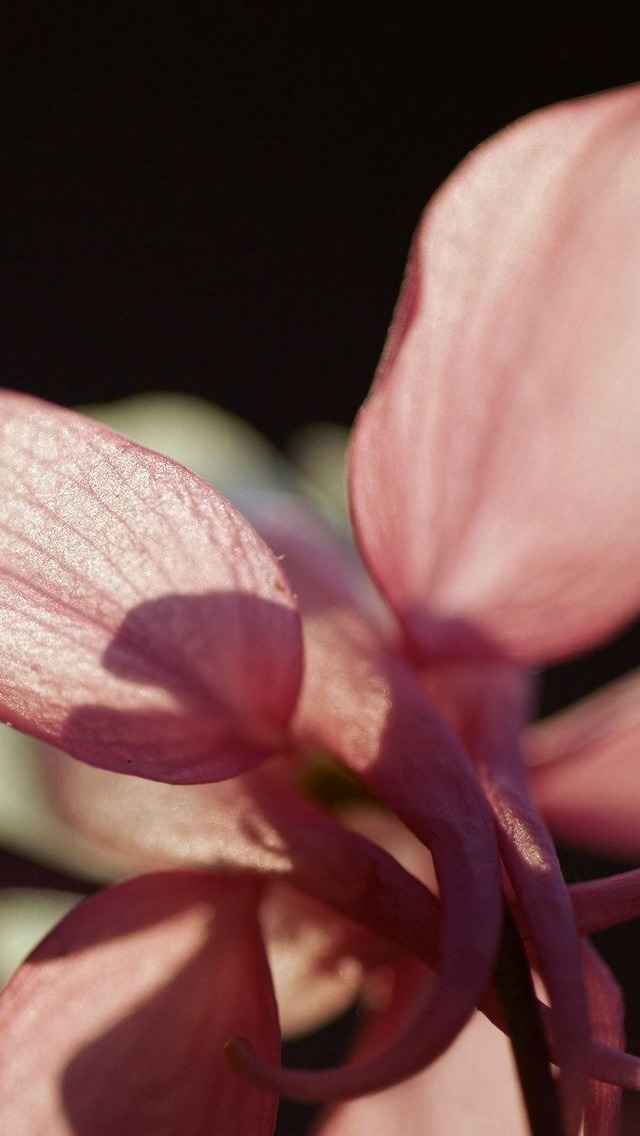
(493,706)
(514,986)
(367,708)
(606,1011)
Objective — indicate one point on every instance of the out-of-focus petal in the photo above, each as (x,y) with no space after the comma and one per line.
(494,470)
(473,1088)
(584,770)
(211,441)
(31,824)
(319,450)
(321,564)
(117,1022)
(139,613)
(26,916)
(315,958)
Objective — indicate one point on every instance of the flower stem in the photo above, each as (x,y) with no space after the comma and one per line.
(515,990)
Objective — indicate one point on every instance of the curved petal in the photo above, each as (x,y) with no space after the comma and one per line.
(364,706)
(472,1088)
(360,702)
(139,613)
(494,474)
(584,770)
(258,823)
(117,1022)
(31,824)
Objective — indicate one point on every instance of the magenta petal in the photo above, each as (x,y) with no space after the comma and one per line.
(494,470)
(117,1022)
(472,1089)
(366,707)
(584,770)
(139,613)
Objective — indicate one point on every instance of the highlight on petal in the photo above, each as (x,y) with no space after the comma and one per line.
(472,1088)
(139,613)
(316,958)
(494,475)
(117,1022)
(583,770)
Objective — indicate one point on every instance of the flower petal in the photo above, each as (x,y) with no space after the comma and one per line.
(472,1088)
(139,613)
(365,706)
(258,823)
(584,770)
(221,447)
(31,824)
(117,1022)
(494,470)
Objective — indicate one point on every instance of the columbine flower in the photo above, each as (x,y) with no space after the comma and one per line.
(145,629)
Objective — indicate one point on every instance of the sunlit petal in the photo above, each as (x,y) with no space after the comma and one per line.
(494,470)
(117,1022)
(139,612)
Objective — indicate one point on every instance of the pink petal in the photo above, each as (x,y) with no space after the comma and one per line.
(365,706)
(258,823)
(472,1089)
(494,471)
(361,703)
(492,707)
(117,1022)
(325,567)
(584,770)
(319,959)
(139,613)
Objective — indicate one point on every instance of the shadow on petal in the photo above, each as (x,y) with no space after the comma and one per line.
(185,696)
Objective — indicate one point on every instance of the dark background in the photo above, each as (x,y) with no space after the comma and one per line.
(221,204)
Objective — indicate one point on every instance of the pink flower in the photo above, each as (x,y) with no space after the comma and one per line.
(147,630)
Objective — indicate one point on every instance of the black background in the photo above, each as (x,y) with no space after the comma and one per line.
(221,202)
